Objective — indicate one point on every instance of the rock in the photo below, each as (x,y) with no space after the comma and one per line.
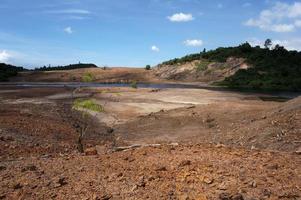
(184,163)
(273,167)
(208,180)
(110,130)
(17,186)
(225,196)
(298,151)
(219,145)
(60,182)
(267,192)
(106,197)
(141,182)
(29,168)
(2,168)
(237,197)
(161,168)
(91,151)
(222,186)
(135,187)
(253,184)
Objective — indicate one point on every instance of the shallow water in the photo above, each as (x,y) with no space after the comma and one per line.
(264,95)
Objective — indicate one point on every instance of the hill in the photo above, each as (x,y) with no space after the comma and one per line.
(243,66)
(7,71)
(67,67)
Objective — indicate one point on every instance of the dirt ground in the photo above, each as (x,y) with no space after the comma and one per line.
(109,75)
(149,144)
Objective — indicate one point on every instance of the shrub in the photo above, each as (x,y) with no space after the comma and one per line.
(147,67)
(87,104)
(134,84)
(88,77)
(202,65)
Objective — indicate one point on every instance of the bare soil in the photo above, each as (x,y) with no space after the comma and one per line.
(193,144)
(109,75)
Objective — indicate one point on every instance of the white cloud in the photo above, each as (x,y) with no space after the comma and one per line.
(70,11)
(279,18)
(289,44)
(298,23)
(280,28)
(181,17)
(193,43)
(4,56)
(68,30)
(155,48)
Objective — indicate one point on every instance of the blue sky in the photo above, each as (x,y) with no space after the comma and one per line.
(138,32)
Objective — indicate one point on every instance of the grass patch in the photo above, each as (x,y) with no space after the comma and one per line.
(87,104)
(134,84)
(88,77)
(202,66)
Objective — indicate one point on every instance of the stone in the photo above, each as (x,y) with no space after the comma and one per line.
(253,184)
(298,151)
(2,168)
(106,197)
(91,151)
(237,197)
(225,196)
(208,180)
(60,182)
(29,168)
(184,163)
(17,186)
(161,168)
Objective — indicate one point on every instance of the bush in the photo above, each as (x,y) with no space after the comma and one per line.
(88,77)
(202,65)
(87,104)
(147,67)
(134,85)
(7,71)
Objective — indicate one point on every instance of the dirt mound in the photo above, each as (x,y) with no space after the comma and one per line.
(200,70)
(164,172)
(293,105)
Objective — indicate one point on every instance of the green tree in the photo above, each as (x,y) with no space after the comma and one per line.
(268,43)
(147,67)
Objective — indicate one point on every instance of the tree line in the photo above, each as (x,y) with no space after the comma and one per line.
(273,68)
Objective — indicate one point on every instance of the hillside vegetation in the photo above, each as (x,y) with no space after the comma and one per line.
(276,69)
(67,67)
(7,71)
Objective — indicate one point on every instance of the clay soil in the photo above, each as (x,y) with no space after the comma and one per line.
(149,144)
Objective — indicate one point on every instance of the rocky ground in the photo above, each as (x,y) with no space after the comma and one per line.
(192,144)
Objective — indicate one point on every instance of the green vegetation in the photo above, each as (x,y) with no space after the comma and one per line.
(148,67)
(184,59)
(134,84)
(202,65)
(7,71)
(88,77)
(272,69)
(87,104)
(68,67)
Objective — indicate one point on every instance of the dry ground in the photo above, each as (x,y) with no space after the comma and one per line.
(112,75)
(230,145)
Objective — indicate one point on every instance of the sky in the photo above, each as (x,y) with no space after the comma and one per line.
(136,33)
